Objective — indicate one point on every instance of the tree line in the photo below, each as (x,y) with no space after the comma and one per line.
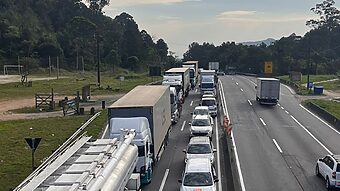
(317,52)
(38,30)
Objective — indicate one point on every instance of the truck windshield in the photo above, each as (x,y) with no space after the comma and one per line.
(199,149)
(172,98)
(192,73)
(207,85)
(198,179)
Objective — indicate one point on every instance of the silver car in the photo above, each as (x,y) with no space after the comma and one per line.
(201,126)
(200,147)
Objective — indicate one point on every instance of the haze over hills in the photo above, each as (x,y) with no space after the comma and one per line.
(268,42)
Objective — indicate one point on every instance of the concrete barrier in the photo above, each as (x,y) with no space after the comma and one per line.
(331,119)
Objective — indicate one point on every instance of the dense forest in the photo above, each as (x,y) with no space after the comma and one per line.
(317,52)
(32,32)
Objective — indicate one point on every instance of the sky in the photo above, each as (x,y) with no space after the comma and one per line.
(181,22)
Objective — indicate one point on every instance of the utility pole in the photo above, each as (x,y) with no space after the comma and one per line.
(49,64)
(308,69)
(57,67)
(98,59)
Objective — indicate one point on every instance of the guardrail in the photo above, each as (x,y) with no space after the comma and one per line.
(324,114)
(295,86)
(74,137)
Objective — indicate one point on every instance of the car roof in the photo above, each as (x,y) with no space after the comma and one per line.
(206,92)
(208,98)
(198,165)
(202,117)
(199,140)
(201,107)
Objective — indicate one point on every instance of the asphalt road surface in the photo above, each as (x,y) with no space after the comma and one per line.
(277,146)
(169,169)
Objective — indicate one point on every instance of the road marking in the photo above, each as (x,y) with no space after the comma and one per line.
(290,89)
(320,120)
(249,102)
(183,125)
(236,83)
(191,103)
(249,80)
(106,127)
(241,90)
(286,111)
(278,104)
(196,90)
(263,121)
(311,135)
(164,179)
(282,108)
(277,145)
(225,112)
(218,155)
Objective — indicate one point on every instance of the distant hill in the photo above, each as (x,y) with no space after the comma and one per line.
(268,42)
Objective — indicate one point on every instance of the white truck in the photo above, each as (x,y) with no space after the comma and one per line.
(208,81)
(184,72)
(193,65)
(214,66)
(267,91)
(131,110)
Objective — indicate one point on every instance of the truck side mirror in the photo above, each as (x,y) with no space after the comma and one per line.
(184,150)
(189,123)
(180,180)
(255,87)
(199,85)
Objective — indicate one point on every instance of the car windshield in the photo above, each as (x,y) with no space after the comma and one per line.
(201,112)
(200,122)
(199,149)
(208,102)
(198,179)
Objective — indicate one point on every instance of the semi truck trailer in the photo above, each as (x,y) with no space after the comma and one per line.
(184,72)
(145,107)
(193,65)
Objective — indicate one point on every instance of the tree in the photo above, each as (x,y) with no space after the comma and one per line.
(329,16)
(162,49)
(97,5)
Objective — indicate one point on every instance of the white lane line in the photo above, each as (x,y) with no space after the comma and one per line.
(282,108)
(225,112)
(320,120)
(263,121)
(241,90)
(290,89)
(329,152)
(249,80)
(183,125)
(164,179)
(196,90)
(278,104)
(191,103)
(218,155)
(106,128)
(277,145)
(286,111)
(249,102)
(236,83)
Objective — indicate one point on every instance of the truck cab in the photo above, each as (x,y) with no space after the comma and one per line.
(142,140)
(207,84)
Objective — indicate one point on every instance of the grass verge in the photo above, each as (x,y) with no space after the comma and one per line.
(15,158)
(332,107)
(96,127)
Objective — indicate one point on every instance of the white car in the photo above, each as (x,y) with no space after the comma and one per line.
(200,147)
(199,174)
(201,126)
(212,104)
(212,93)
(200,110)
(329,169)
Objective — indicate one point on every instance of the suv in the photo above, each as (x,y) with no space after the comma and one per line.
(199,147)
(200,110)
(201,126)
(211,103)
(329,169)
(199,174)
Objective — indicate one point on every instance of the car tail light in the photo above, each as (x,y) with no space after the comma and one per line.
(334,175)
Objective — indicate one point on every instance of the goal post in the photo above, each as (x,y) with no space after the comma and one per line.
(19,67)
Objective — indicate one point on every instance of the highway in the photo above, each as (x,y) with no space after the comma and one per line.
(277,146)
(171,166)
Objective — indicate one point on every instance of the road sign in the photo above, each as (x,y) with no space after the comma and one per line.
(33,142)
(268,67)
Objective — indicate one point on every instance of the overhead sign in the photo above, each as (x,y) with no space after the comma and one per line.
(33,142)
(268,67)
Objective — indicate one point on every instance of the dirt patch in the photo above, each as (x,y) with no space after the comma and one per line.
(6,105)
